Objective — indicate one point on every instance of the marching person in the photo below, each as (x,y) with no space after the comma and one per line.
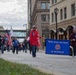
(2,44)
(73,40)
(15,45)
(34,40)
(25,45)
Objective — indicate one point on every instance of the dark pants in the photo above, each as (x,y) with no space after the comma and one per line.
(8,48)
(33,50)
(30,48)
(15,48)
(74,50)
(2,48)
(25,48)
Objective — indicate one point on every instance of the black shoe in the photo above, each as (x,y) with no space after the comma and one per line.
(2,52)
(13,52)
(34,56)
(16,52)
(25,51)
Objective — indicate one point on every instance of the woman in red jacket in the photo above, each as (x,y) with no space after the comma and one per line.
(34,35)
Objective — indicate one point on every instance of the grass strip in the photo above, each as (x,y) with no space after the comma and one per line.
(9,68)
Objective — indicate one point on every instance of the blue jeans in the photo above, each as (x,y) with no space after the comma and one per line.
(25,48)
(2,48)
(8,48)
(74,50)
(34,51)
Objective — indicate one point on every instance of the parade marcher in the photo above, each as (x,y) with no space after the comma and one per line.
(28,44)
(2,44)
(15,45)
(25,45)
(34,35)
(0,41)
(8,40)
(73,40)
(6,43)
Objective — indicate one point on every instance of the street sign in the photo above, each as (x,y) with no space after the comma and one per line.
(61,47)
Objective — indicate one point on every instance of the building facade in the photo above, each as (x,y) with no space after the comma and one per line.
(1,28)
(40,15)
(66,18)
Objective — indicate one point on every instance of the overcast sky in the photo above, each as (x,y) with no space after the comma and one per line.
(13,12)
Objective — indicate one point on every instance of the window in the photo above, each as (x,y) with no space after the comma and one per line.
(52,1)
(52,17)
(61,14)
(55,1)
(65,13)
(73,9)
(43,17)
(48,17)
(48,5)
(43,5)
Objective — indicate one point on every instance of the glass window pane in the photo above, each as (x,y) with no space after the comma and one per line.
(43,5)
(52,17)
(61,14)
(48,5)
(48,17)
(43,17)
(65,13)
(73,9)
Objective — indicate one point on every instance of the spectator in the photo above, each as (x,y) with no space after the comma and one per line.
(73,40)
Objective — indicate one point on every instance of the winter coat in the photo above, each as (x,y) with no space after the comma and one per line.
(15,43)
(33,38)
(73,42)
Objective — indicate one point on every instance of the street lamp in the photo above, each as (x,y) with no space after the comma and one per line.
(56,12)
(26,28)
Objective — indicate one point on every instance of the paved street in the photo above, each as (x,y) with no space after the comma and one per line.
(56,64)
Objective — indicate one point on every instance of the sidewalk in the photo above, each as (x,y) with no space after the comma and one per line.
(56,64)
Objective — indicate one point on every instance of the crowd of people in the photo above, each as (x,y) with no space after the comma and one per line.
(31,43)
(13,44)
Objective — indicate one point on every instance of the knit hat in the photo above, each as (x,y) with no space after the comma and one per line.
(34,26)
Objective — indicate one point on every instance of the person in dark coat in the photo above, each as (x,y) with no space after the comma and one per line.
(25,45)
(2,44)
(15,45)
(73,40)
(0,41)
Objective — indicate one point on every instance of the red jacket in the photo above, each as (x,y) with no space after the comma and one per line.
(33,38)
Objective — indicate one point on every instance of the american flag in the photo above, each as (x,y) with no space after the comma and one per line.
(7,34)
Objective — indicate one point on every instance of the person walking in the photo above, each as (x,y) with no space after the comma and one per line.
(2,44)
(25,45)
(33,39)
(15,45)
(73,40)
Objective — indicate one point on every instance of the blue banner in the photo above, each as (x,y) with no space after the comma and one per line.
(57,47)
